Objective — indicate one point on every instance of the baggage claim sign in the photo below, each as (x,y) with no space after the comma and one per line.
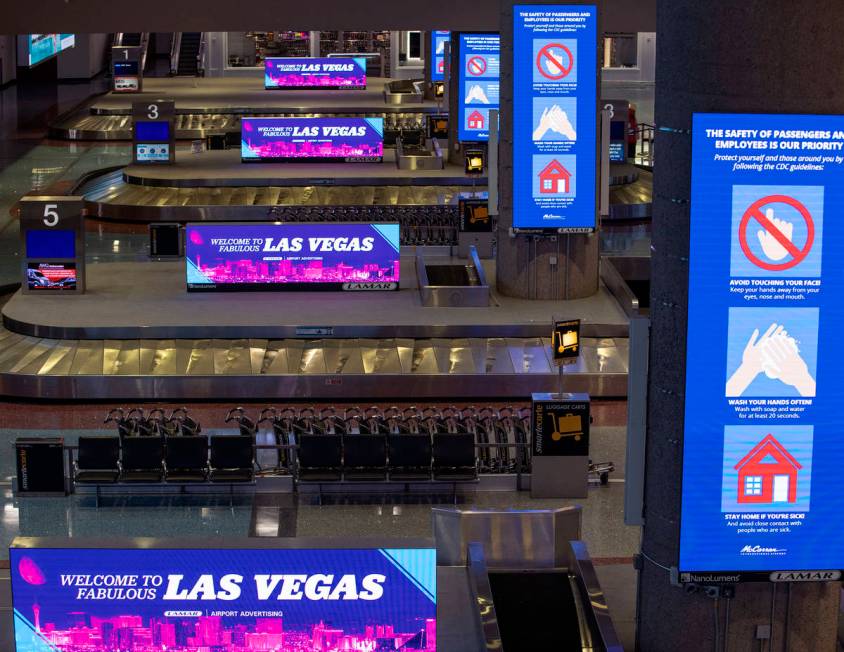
(232,600)
(762,448)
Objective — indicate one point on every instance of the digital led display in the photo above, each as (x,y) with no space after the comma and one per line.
(480,64)
(223,600)
(40,47)
(436,65)
(555,117)
(291,73)
(152,130)
(762,442)
(152,152)
(312,256)
(315,139)
(50,243)
(51,277)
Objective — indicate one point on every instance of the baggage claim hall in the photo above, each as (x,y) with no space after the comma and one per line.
(441,326)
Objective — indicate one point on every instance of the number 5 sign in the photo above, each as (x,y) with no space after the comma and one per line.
(52,245)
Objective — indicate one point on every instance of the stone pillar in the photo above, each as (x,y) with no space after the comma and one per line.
(564,267)
(730,56)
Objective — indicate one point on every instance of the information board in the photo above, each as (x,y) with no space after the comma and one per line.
(291,73)
(353,140)
(762,441)
(223,600)
(436,66)
(52,232)
(555,117)
(479,70)
(311,256)
(40,47)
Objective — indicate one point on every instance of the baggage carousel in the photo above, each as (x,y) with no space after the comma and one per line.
(137,334)
(215,105)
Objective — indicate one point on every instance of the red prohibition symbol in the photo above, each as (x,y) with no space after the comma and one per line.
(547,53)
(476,66)
(756,212)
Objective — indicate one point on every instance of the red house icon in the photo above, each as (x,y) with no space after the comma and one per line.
(476,120)
(768,474)
(554,179)
(441,65)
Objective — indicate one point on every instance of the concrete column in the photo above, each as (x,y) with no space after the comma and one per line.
(731,56)
(565,267)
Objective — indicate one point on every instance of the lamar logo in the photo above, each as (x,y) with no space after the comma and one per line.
(366,287)
(805,576)
(761,550)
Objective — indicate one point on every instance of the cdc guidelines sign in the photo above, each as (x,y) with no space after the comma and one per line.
(763,448)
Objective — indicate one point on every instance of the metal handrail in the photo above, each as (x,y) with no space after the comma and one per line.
(200,55)
(481,590)
(175,45)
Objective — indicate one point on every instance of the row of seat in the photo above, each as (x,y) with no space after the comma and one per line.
(176,459)
(401,458)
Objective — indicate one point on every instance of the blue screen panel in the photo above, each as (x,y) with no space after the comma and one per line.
(50,244)
(478,74)
(762,447)
(151,131)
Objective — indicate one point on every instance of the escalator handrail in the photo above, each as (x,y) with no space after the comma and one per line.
(591,597)
(487,619)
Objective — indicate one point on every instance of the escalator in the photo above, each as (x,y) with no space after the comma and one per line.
(188,61)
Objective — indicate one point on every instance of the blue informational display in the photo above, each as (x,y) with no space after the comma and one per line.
(223,600)
(480,63)
(152,130)
(152,153)
(555,117)
(49,243)
(763,446)
(439,37)
(40,47)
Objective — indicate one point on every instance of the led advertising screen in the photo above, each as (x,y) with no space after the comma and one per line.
(223,600)
(480,64)
(288,73)
(126,77)
(152,130)
(436,66)
(290,256)
(40,47)
(555,117)
(51,277)
(763,442)
(353,140)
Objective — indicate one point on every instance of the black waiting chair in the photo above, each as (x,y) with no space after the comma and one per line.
(232,458)
(142,459)
(97,460)
(364,457)
(409,457)
(454,458)
(186,459)
(319,458)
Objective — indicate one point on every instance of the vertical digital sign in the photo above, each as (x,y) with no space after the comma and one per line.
(762,442)
(436,66)
(479,70)
(555,117)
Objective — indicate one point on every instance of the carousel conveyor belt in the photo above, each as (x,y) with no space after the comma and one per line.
(109,196)
(293,368)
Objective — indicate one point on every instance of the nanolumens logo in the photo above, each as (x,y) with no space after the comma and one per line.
(761,550)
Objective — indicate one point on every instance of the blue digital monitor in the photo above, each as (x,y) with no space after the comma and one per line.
(151,131)
(37,48)
(762,444)
(48,243)
(436,66)
(555,117)
(478,73)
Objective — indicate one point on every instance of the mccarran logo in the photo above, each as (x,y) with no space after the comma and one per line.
(364,287)
(762,550)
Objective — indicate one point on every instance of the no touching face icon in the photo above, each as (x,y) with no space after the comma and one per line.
(776,232)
